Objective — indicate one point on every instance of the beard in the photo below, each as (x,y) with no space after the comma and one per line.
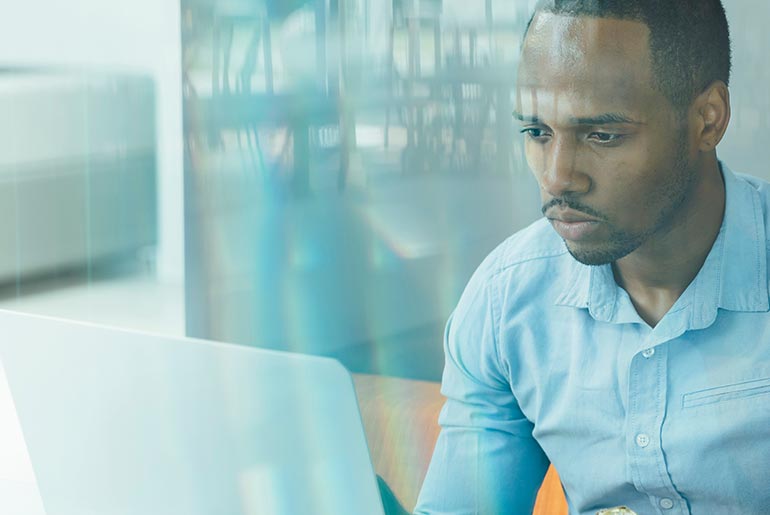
(621,243)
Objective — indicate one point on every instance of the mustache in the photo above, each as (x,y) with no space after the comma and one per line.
(574,205)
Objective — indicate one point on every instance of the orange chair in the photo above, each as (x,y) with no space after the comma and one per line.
(400,418)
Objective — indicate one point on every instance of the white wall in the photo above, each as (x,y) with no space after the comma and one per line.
(135,35)
(746,146)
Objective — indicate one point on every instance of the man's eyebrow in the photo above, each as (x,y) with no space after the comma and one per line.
(602,119)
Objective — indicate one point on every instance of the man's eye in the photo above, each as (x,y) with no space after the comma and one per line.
(605,137)
(534,133)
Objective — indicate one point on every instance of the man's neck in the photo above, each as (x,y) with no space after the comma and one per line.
(656,274)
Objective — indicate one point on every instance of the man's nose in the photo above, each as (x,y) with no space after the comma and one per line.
(561,174)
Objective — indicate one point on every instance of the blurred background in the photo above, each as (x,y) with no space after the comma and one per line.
(349,165)
(320,176)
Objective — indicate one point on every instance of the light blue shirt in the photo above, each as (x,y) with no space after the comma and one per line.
(547,360)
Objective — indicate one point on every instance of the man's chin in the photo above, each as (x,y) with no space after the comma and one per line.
(598,256)
(589,258)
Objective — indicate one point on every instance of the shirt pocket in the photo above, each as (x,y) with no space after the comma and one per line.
(728,392)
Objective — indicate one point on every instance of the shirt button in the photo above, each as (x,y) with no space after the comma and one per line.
(642,440)
(648,353)
(666,503)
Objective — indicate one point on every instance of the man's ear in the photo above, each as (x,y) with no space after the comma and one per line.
(712,115)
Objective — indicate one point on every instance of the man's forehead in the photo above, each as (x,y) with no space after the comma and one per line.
(571,66)
(581,35)
(584,47)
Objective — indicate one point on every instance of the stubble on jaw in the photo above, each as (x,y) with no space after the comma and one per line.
(621,243)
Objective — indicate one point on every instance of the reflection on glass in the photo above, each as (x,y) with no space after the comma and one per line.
(349,163)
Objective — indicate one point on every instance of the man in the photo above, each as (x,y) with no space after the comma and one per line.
(626,337)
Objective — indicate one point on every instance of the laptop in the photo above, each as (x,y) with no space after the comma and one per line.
(116,422)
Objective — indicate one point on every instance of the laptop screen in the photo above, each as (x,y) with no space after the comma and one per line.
(126,423)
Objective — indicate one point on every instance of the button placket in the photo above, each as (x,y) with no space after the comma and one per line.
(647,403)
(641,385)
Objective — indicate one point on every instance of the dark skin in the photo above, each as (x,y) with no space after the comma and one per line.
(603,141)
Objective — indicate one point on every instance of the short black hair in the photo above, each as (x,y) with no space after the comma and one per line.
(689,39)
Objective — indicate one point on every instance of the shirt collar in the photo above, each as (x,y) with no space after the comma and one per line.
(733,277)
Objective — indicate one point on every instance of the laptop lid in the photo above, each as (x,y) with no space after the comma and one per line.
(124,423)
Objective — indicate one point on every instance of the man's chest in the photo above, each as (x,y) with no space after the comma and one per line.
(620,412)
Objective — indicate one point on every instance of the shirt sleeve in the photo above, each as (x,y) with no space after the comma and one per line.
(485,460)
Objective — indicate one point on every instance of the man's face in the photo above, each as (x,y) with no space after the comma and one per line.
(607,148)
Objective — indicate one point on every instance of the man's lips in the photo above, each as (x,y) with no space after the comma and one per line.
(572,225)
(569,216)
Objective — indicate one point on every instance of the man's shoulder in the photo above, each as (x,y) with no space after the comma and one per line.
(759,184)
(532,247)
(529,267)
(762,189)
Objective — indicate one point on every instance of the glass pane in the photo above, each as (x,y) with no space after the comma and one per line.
(348,165)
